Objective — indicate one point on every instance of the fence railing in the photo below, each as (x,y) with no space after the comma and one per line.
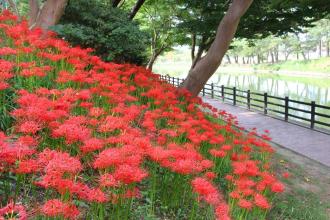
(285,108)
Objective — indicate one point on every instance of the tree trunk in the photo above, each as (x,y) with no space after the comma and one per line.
(136,8)
(258,59)
(236,59)
(34,12)
(243,59)
(272,57)
(115,3)
(276,55)
(205,67)
(193,48)
(287,54)
(151,62)
(199,54)
(304,55)
(228,58)
(328,48)
(320,48)
(49,15)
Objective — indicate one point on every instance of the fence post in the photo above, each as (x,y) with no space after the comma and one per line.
(265,103)
(312,114)
(212,90)
(234,95)
(286,108)
(248,99)
(223,92)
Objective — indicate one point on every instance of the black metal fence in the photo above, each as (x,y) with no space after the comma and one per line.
(305,113)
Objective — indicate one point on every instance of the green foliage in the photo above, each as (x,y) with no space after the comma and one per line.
(265,17)
(105,29)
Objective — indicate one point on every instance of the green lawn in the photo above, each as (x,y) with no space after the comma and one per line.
(319,65)
(307,195)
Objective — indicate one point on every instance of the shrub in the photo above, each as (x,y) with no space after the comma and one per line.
(92,24)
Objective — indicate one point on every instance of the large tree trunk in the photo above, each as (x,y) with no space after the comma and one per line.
(135,9)
(49,15)
(206,67)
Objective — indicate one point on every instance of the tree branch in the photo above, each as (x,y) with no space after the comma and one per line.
(135,9)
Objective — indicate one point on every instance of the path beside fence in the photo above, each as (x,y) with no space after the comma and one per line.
(310,143)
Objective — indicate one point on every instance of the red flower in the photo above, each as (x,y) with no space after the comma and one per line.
(261,201)
(243,203)
(57,208)
(277,187)
(13,211)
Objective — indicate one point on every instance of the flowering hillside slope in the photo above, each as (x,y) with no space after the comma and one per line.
(85,139)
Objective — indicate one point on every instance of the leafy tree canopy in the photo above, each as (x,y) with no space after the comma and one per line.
(107,30)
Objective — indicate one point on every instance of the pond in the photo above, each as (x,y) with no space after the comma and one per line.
(300,88)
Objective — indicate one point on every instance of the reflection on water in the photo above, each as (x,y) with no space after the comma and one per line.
(296,89)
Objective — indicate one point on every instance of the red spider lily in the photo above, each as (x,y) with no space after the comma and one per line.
(56,208)
(13,211)
(95,131)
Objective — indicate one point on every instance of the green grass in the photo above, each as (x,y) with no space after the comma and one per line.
(306,192)
(318,65)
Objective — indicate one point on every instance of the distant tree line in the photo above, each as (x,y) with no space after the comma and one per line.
(314,41)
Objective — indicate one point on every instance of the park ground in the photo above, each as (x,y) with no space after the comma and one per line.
(307,194)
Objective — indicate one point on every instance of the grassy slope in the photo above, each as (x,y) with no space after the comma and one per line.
(319,65)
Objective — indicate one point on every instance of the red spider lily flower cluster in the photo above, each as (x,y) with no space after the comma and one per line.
(101,133)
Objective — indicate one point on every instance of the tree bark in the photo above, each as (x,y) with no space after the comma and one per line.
(136,8)
(205,67)
(115,3)
(200,51)
(193,48)
(272,57)
(50,13)
(34,11)
(151,62)
(228,58)
(236,59)
(287,54)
